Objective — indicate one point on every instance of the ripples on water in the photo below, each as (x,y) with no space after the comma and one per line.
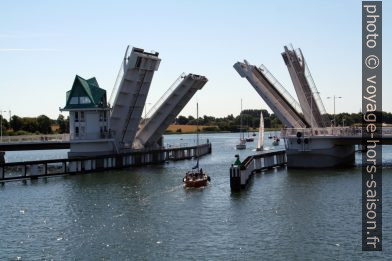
(145,213)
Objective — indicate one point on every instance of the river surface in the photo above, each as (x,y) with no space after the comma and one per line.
(146,214)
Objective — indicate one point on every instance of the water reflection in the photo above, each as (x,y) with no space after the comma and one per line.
(145,213)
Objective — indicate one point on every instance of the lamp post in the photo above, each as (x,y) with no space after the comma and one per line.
(334,103)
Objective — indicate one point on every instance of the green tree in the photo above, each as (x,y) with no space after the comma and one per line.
(4,122)
(44,124)
(29,124)
(16,123)
(182,120)
(62,122)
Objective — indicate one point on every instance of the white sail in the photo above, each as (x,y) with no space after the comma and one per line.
(260,143)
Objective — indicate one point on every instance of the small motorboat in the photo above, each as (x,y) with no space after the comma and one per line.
(196,179)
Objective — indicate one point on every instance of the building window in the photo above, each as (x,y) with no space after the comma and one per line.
(76,116)
(84,100)
(74,100)
(104,116)
(82,116)
(76,131)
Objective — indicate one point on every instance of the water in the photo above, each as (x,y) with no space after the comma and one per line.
(146,214)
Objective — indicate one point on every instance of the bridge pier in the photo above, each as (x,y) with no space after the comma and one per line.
(318,152)
(2,159)
(240,174)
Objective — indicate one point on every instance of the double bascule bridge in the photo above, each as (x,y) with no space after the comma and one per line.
(111,133)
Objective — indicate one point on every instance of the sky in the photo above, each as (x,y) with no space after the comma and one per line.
(44,44)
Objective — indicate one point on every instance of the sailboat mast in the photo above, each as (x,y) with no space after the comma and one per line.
(197,124)
(241,120)
(197,135)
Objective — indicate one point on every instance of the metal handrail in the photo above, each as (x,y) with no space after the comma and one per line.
(120,75)
(33,138)
(164,96)
(312,85)
(280,88)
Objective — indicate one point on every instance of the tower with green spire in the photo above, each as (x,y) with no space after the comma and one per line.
(89,115)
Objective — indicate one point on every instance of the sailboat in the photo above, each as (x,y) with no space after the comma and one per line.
(249,138)
(260,143)
(242,144)
(196,178)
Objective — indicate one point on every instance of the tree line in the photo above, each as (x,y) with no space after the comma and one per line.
(231,123)
(250,121)
(34,125)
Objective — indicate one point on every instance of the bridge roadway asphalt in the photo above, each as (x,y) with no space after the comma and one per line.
(34,145)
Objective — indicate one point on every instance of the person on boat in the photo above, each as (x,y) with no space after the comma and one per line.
(201,171)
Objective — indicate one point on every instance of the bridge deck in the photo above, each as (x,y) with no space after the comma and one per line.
(34,145)
(44,168)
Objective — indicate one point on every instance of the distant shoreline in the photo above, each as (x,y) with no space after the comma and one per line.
(191,129)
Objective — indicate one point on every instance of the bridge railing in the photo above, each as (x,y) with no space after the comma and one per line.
(352,131)
(271,78)
(35,138)
(120,75)
(164,97)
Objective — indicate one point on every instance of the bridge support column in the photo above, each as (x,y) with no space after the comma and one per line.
(319,153)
